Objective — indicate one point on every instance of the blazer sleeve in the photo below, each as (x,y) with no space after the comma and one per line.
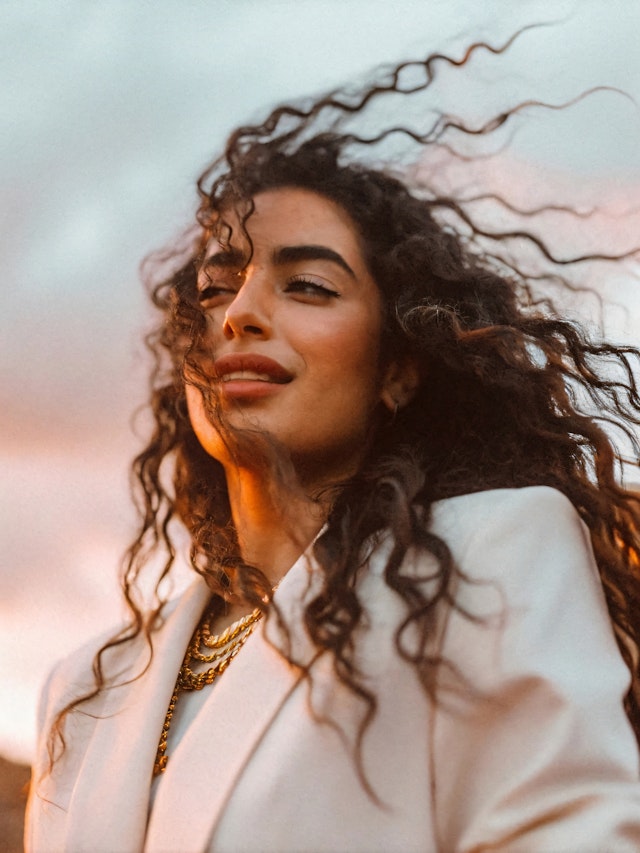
(532,748)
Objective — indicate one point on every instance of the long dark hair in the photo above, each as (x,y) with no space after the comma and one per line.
(513,395)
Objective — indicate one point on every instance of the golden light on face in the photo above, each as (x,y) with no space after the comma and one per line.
(295,334)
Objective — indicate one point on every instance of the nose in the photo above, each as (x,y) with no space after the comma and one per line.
(249,314)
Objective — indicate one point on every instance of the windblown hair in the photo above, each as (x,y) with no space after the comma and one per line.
(513,395)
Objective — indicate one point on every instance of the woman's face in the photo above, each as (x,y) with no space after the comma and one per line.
(295,334)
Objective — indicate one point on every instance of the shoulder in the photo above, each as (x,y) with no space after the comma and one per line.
(527,554)
(500,530)
(528,578)
(505,509)
(73,675)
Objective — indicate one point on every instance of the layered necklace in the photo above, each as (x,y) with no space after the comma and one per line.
(205,647)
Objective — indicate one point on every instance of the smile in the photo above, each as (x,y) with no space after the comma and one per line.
(250,376)
(250,368)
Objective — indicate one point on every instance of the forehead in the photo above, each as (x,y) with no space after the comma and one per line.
(291,215)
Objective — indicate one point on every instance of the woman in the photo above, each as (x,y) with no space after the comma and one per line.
(415,625)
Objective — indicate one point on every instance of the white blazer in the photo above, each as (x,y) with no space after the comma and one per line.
(527,747)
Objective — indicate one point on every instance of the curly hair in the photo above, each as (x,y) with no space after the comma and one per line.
(512,394)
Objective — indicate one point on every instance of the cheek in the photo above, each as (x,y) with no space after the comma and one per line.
(195,404)
(354,350)
(344,363)
(205,431)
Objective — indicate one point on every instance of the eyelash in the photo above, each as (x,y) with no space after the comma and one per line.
(296,285)
(301,283)
(211,291)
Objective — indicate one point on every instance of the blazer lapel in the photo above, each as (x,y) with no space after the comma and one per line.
(211,756)
(116,771)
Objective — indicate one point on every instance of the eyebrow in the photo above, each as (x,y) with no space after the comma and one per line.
(225,259)
(290,254)
(230,258)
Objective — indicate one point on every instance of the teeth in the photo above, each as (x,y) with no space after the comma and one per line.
(247,374)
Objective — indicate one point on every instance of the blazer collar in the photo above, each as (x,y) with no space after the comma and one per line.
(229,727)
(109,806)
(110,801)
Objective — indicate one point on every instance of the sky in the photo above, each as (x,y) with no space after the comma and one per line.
(111,110)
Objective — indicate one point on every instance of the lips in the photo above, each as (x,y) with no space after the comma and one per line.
(249,367)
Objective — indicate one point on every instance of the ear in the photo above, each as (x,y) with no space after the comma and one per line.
(400,382)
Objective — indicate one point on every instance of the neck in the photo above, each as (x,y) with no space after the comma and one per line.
(274,525)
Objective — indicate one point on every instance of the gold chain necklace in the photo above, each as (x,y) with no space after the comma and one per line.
(225,647)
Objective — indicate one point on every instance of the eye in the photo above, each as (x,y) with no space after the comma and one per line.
(309,287)
(213,291)
(217,287)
